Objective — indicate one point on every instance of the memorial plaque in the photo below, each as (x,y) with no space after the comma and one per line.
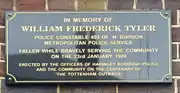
(88,47)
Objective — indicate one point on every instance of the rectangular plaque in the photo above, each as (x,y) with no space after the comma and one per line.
(98,46)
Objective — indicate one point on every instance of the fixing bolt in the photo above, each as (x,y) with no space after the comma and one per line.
(166,14)
(9,78)
(10,15)
(167,78)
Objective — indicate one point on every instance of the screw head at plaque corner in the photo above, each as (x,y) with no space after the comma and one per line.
(9,78)
(167,78)
(166,14)
(9,14)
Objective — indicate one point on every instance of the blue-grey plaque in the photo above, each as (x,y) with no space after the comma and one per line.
(88,47)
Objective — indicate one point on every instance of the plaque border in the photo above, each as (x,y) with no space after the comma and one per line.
(167,78)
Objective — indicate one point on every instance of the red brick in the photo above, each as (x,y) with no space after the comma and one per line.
(2,69)
(85,5)
(120,4)
(1,18)
(173,5)
(174,50)
(47,88)
(178,86)
(176,68)
(145,88)
(149,4)
(2,35)
(2,53)
(84,88)
(34,5)
(6,5)
(176,34)
(61,4)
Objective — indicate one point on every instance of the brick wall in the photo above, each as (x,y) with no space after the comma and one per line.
(62,5)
